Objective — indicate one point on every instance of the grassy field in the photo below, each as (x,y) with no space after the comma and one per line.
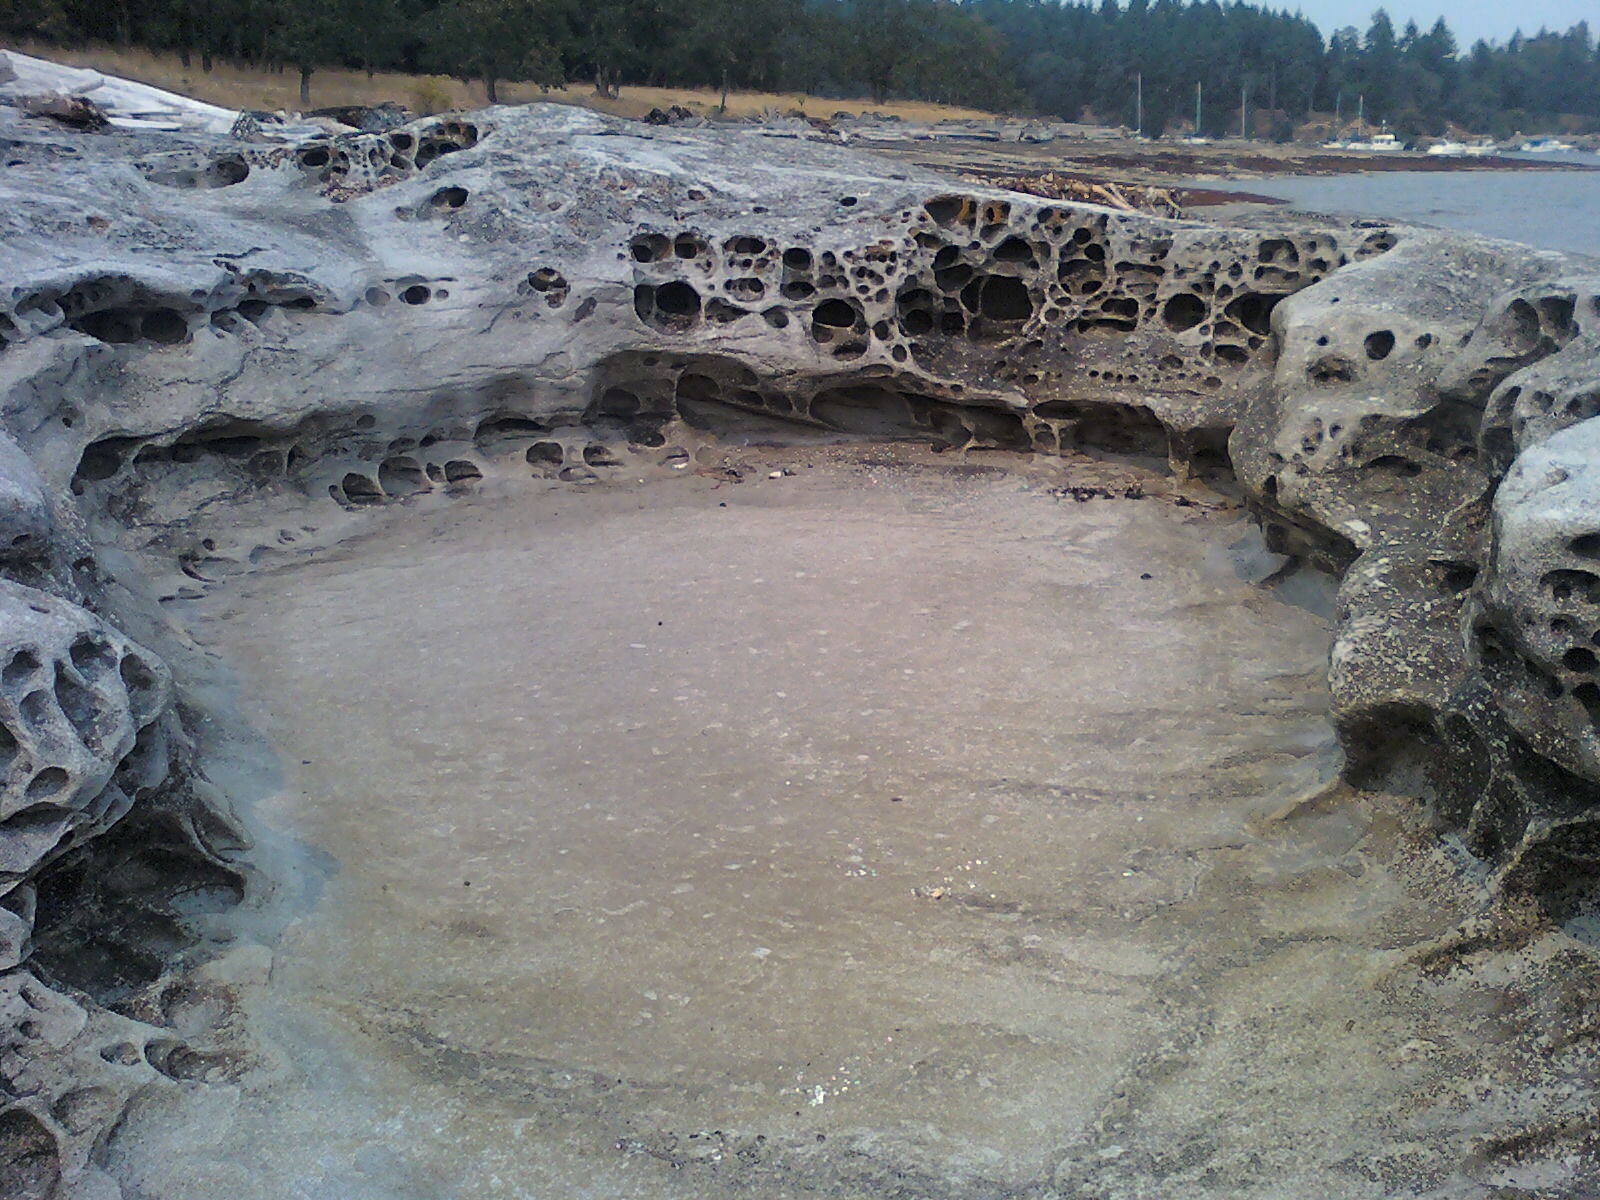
(247,87)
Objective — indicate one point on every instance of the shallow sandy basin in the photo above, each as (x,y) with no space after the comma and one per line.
(892,828)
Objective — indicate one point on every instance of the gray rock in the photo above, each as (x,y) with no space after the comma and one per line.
(295,334)
(366,316)
(1535,618)
(68,1069)
(1555,331)
(27,527)
(80,739)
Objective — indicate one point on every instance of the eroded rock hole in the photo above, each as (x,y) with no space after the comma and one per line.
(92,656)
(1253,310)
(508,425)
(832,315)
(1519,325)
(650,248)
(1580,659)
(360,489)
(548,279)
(545,454)
(22,665)
(1586,545)
(402,476)
(618,403)
(1014,250)
(101,460)
(677,300)
(1183,312)
(1563,585)
(948,210)
(1379,345)
(721,312)
(1004,298)
(120,326)
(1331,368)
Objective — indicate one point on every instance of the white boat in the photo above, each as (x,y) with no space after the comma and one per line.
(1481,149)
(1546,145)
(1450,149)
(1380,141)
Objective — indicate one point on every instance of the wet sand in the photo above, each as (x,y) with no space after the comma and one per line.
(890,828)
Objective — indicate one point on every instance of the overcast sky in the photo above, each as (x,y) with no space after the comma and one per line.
(1469,20)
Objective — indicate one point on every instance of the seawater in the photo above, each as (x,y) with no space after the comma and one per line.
(1553,210)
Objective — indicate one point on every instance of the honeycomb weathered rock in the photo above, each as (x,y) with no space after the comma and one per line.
(80,733)
(299,334)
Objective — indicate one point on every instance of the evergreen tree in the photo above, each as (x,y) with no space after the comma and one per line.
(1069,59)
(496,40)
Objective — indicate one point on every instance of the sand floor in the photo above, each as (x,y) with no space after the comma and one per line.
(892,828)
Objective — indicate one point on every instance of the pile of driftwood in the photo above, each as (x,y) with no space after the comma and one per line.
(1054,185)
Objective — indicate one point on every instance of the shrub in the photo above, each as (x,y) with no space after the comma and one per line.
(429,95)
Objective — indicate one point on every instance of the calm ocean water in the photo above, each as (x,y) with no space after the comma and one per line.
(1555,210)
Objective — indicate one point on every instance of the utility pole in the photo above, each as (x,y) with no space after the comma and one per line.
(1138,104)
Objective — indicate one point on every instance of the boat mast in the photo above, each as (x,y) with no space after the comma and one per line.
(1197,88)
(1138,104)
(1244,104)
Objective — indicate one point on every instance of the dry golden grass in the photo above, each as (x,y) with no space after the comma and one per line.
(636,101)
(248,87)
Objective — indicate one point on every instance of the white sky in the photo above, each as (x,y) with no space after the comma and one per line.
(1469,20)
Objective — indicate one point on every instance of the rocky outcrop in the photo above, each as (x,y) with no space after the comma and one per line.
(80,710)
(212,353)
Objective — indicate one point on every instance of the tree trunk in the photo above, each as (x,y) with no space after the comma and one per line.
(205,62)
(183,57)
(305,86)
(723,107)
(490,89)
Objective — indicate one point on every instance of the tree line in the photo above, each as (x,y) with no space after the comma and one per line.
(1163,64)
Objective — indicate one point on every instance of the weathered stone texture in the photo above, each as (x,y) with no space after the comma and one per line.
(355,320)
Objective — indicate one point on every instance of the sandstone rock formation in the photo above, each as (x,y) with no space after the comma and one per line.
(211,352)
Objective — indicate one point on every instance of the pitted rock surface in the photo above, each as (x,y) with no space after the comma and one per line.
(304,333)
(80,733)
